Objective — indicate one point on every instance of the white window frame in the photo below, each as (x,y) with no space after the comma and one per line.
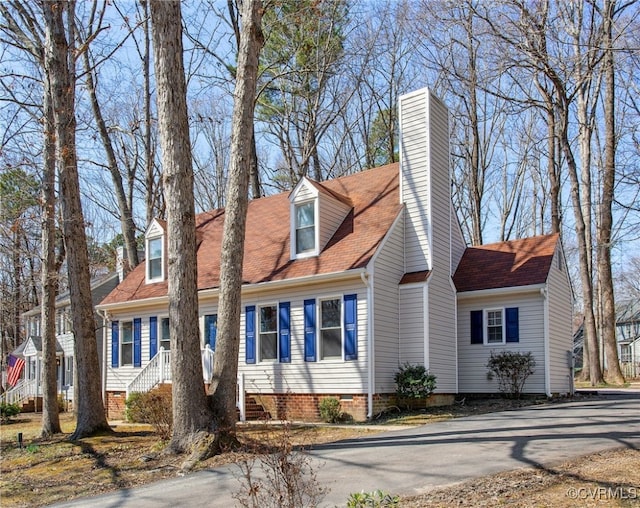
(319,328)
(148,241)
(294,229)
(485,330)
(122,343)
(160,328)
(259,332)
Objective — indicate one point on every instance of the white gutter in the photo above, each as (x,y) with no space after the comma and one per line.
(105,320)
(547,362)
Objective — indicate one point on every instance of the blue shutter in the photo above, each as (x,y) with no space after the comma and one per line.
(211,330)
(350,327)
(512,326)
(310,330)
(137,342)
(476,327)
(115,343)
(153,336)
(250,334)
(284,341)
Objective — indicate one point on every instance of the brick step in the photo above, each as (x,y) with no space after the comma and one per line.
(254,411)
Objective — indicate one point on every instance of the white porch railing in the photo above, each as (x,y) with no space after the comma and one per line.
(22,391)
(158,371)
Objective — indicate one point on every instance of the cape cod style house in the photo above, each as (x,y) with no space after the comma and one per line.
(28,391)
(346,280)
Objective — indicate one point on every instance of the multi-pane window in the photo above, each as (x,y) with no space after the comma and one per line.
(68,370)
(165,340)
(268,336)
(494,327)
(126,343)
(305,228)
(330,328)
(155,259)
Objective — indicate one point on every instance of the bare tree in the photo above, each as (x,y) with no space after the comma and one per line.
(605,226)
(190,412)
(50,269)
(225,369)
(59,66)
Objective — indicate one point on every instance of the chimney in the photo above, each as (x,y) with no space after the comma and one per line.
(425,181)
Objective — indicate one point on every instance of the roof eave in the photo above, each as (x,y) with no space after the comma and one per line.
(247,289)
(511,290)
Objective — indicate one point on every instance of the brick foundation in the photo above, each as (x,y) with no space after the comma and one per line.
(115,405)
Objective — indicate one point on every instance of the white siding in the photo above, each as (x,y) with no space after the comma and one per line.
(331,376)
(415,164)
(560,327)
(119,377)
(332,214)
(388,271)
(472,358)
(441,296)
(322,376)
(412,324)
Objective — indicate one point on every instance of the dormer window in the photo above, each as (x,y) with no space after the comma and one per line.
(316,212)
(155,252)
(305,228)
(155,259)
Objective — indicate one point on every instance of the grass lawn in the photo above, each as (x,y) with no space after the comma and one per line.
(52,470)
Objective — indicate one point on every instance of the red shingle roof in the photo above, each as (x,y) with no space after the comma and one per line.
(506,264)
(376,204)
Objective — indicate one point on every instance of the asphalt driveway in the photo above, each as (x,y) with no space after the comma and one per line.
(413,460)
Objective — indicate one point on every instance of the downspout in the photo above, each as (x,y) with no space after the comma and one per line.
(547,366)
(105,319)
(366,279)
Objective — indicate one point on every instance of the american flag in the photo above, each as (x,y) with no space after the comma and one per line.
(14,369)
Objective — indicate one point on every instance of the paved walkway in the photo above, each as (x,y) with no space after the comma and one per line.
(413,460)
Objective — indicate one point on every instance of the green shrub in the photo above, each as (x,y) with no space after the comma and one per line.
(8,411)
(153,408)
(377,499)
(329,408)
(414,382)
(512,370)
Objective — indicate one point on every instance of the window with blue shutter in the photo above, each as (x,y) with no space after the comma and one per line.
(350,327)
(284,335)
(250,334)
(153,336)
(310,330)
(511,324)
(211,330)
(476,327)
(137,342)
(115,343)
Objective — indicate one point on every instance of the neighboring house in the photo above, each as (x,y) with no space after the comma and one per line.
(345,281)
(31,348)
(628,337)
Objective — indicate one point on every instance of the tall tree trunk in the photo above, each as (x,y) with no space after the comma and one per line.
(190,412)
(60,77)
(225,368)
(590,335)
(50,410)
(127,224)
(604,232)
(149,154)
